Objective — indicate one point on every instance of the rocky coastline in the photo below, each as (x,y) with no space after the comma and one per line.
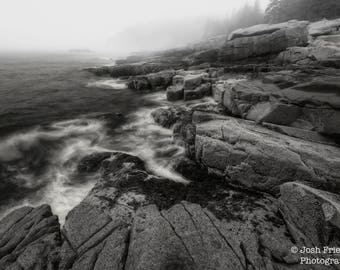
(262,160)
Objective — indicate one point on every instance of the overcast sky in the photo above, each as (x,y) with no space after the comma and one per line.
(78,24)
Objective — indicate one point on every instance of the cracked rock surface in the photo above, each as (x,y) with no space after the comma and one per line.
(132,219)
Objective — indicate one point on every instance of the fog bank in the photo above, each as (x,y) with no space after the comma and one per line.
(106,25)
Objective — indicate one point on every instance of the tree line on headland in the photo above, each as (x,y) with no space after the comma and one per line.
(277,11)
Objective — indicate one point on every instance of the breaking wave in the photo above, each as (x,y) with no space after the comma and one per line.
(109,84)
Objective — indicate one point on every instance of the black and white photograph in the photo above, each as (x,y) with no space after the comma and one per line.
(169,135)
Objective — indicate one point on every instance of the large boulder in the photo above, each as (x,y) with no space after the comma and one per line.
(324,27)
(263,40)
(29,239)
(252,156)
(198,93)
(313,105)
(310,212)
(191,81)
(167,116)
(174,93)
(153,81)
(323,48)
(219,87)
(326,55)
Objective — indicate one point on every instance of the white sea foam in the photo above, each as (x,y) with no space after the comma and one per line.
(109,84)
(60,148)
(63,144)
(144,137)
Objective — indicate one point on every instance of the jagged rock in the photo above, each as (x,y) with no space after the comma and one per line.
(264,40)
(215,72)
(303,134)
(153,81)
(220,86)
(93,162)
(132,219)
(320,104)
(310,55)
(139,83)
(255,157)
(29,239)
(192,81)
(305,105)
(174,93)
(198,93)
(136,69)
(136,221)
(324,27)
(284,79)
(312,213)
(189,169)
(178,80)
(168,116)
(161,80)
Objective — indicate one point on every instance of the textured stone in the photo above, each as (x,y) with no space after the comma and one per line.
(310,212)
(258,158)
(264,40)
(174,93)
(29,239)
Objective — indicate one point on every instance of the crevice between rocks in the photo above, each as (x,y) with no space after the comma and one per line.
(224,238)
(179,237)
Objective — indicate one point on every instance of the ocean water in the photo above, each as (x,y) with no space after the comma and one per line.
(53,113)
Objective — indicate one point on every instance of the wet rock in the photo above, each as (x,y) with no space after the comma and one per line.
(139,83)
(161,80)
(166,117)
(189,169)
(29,239)
(174,93)
(153,81)
(262,40)
(191,82)
(93,162)
(198,93)
(132,219)
(136,69)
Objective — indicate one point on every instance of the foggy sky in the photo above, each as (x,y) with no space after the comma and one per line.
(93,24)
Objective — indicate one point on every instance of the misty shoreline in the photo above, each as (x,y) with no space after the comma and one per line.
(224,154)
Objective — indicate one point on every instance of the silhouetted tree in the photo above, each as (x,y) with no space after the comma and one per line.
(312,10)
